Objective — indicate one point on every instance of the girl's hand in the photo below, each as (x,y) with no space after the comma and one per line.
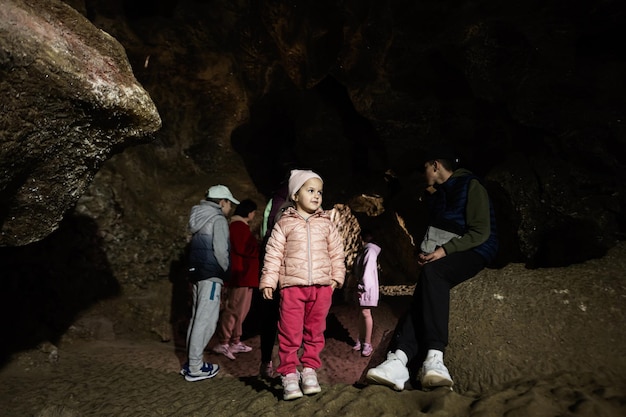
(333,284)
(268,293)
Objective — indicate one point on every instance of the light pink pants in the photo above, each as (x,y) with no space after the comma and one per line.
(236,307)
(302,322)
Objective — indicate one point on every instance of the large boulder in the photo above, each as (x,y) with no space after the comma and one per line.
(70,100)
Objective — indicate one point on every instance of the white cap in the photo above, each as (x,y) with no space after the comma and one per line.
(221,191)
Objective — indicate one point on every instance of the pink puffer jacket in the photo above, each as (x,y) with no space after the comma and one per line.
(303,252)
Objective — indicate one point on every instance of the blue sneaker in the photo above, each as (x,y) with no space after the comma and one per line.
(185,369)
(208,370)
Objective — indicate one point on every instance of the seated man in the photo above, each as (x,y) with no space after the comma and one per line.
(460,241)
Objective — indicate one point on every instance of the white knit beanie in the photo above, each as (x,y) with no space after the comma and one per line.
(297,179)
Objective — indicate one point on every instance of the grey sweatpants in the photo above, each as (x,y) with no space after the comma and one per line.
(204,315)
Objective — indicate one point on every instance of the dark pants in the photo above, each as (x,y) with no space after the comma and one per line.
(425,325)
(269,326)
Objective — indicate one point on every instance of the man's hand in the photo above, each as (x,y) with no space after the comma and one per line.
(424,258)
(268,293)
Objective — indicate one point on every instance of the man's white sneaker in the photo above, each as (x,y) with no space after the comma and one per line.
(435,374)
(392,373)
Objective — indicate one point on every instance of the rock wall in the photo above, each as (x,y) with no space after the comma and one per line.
(527,93)
(239,92)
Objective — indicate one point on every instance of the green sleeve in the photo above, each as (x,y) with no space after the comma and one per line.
(266,216)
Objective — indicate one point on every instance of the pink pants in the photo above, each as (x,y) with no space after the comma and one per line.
(302,322)
(236,308)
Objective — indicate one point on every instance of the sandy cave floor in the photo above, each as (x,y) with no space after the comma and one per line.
(502,363)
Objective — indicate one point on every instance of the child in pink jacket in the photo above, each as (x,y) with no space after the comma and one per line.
(366,271)
(305,257)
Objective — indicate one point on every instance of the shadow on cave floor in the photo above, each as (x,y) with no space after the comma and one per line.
(180,304)
(46,284)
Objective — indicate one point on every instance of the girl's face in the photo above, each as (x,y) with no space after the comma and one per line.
(309,197)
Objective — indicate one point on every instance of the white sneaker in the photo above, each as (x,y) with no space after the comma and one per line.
(239,348)
(435,374)
(224,350)
(310,385)
(367,350)
(392,373)
(291,386)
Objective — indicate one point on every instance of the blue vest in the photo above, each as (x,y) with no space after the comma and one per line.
(202,261)
(449,208)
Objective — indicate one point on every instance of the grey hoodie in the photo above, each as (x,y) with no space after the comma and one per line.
(209,255)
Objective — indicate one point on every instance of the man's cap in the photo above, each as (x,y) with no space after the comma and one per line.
(221,192)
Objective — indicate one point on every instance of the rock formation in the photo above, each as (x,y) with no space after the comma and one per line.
(70,100)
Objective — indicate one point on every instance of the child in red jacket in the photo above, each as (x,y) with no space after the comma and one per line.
(244,277)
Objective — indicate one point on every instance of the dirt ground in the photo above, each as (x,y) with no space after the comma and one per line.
(547,342)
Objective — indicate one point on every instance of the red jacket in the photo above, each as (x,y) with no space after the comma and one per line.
(244,255)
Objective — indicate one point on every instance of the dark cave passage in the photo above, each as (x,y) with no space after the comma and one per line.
(282,134)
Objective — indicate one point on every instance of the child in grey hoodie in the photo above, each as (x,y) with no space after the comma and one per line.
(209,263)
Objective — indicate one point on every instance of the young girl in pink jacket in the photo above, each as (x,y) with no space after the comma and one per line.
(305,259)
(366,271)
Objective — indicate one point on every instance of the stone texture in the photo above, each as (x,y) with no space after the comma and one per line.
(69,101)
